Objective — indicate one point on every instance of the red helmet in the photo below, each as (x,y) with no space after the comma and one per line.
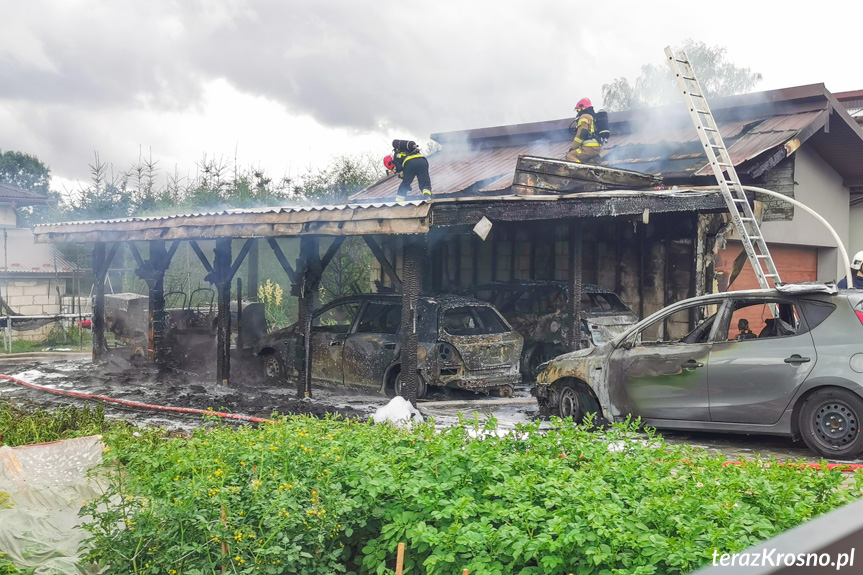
(389,163)
(582,104)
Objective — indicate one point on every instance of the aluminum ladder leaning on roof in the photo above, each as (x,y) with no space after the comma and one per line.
(723,167)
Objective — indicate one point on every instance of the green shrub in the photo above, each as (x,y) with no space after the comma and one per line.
(21,426)
(313,496)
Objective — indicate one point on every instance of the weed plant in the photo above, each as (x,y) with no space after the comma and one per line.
(310,496)
(23,426)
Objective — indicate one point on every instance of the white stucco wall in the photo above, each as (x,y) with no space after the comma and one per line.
(8,216)
(818,186)
(855,234)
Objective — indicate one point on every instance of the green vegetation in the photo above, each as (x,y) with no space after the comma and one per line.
(313,496)
(22,426)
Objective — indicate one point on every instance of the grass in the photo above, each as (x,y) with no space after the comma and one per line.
(23,426)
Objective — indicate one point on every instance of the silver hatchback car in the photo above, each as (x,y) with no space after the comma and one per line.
(781,362)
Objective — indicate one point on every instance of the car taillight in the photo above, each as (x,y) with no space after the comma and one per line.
(859,315)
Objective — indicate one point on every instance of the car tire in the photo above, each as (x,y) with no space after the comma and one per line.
(422,387)
(569,404)
(830,423)
(273,368)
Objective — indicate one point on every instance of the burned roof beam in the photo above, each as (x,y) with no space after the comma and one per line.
(283,261)
(574,206)
(197,249)
(382,259)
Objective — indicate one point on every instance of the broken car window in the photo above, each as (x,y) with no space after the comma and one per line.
(754,320)
(469,320)
(380,318)
(337,319)
(688,325)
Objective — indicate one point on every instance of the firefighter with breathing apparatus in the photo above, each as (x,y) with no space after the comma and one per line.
(408,163)
(590,130)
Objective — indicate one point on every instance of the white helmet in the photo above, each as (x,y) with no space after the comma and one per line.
(857,262)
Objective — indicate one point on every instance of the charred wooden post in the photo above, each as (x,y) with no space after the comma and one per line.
(309,280)
(101,261)
(386,266)
(153,273)
(222,280)
(414,253)
(574,301)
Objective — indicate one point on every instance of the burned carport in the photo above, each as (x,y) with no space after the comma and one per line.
(658,238)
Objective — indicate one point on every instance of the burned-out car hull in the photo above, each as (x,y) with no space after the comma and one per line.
(782,362)
(356,342)
(538,310)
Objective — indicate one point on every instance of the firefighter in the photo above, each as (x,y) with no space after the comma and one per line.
(856,265)
(408,163)
(586,145)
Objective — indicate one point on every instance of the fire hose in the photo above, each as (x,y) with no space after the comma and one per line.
(137,404)
(240,417)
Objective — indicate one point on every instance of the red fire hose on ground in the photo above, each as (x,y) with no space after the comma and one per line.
(136,404)
(240,417)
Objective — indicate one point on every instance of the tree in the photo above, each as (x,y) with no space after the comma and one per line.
(344,177)
(656,84)
(28,172)
(25,172)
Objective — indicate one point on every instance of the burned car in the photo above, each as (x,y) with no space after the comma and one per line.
(781,362)
(538,311)
(355,342)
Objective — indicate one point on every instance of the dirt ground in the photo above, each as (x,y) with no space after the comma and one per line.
(119,377)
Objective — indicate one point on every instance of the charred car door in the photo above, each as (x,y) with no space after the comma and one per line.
(373,345)
(330,328)
(758,361)
(660,372)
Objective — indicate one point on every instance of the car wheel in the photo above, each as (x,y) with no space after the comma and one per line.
(274,368)
(569,405)
(830,421)
(422,387)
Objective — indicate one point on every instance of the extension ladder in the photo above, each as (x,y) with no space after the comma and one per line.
(723,167)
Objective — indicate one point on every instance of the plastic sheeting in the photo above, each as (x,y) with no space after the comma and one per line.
(399,412)
(47,484)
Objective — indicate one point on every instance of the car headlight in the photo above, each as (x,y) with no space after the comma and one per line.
(541,367)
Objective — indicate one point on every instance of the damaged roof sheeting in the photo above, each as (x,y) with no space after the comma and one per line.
(351,219)
(759,129)
(417,217)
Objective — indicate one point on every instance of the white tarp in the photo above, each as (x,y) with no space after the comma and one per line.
(47,484)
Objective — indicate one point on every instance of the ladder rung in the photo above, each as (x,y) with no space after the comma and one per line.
(706,129)
(741,200)
(762,256)
(771,275)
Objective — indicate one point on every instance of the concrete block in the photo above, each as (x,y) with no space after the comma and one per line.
(12,290)
(42,299)
(30,310)
(19,300)
(25,283)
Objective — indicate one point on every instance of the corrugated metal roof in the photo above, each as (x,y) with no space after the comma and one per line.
(239,212)
(279,221)
(23,255)
(24,197)
(642,141)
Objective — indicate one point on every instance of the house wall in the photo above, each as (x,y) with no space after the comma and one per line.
(8,216)
(855,230)
(31,296)
(818,186)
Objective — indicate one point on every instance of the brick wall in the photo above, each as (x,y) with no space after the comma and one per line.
(31,297)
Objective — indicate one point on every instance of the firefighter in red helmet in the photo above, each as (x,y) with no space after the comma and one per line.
(408,163)
(586,145)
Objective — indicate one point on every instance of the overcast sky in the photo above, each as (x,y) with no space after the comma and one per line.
(288,85)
